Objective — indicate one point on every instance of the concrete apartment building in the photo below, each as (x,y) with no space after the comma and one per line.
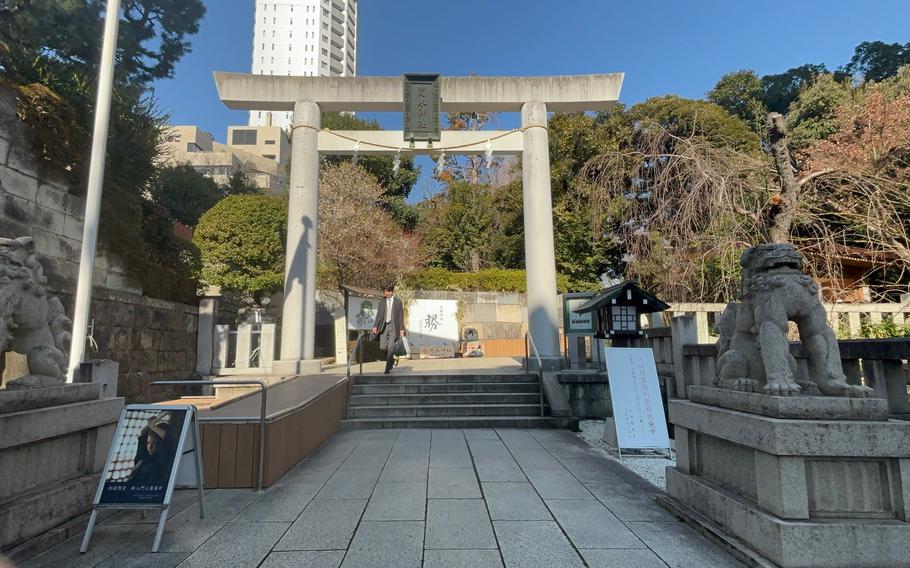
(261,153)
(304,38)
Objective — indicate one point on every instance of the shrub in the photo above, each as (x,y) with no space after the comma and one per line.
(491,280)
(884,330)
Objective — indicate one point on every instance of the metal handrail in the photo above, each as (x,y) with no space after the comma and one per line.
(357,344)
(539,365)
(264,391)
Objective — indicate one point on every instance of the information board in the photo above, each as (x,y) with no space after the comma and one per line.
(577,324)
(638,409)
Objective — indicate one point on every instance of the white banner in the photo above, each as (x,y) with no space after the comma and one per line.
(433,327)
(638,410)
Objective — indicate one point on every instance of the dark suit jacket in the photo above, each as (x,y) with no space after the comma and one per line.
(397,315)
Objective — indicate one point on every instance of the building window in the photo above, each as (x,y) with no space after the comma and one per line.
(269,156)
(273,47)
(244,137)
(269,142)
(291,33)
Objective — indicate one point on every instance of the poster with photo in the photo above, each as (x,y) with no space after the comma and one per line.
(362,312)
(141,464)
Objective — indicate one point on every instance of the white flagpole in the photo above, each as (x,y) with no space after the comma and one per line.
(95,182)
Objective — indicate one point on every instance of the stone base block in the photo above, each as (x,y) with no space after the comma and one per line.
(796,407)
(297,367)
(32,514)
(828,543)
(30,399)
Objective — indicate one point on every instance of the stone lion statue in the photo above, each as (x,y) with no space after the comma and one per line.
(753,350)
(31,322)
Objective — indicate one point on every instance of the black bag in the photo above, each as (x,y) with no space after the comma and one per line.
(400,349)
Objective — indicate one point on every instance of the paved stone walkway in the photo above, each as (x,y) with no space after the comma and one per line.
(441,498)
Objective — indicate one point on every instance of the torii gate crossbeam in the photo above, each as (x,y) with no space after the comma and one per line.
(308,97)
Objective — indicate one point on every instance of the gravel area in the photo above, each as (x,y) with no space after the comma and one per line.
(647,465)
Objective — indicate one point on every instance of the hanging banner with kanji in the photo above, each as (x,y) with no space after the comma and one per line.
(638,409)
(433,327)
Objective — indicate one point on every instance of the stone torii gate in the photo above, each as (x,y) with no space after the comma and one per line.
(308,97)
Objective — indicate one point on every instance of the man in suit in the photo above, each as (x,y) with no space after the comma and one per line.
(389,324)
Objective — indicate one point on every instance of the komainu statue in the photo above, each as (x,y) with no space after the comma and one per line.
(753,350)
(31,322)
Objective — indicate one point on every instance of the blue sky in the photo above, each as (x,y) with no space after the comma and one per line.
(663,46)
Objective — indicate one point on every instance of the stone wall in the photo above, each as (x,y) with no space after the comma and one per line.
(150,339)
(35,201)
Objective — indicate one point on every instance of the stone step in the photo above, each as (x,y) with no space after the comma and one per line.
(462,422)
(399,379)
(446,398)
(396,411)
(433,388)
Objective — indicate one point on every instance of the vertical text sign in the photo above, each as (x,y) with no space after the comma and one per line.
(637,407)
(421,107)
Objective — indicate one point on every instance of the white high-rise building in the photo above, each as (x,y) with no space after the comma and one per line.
(303,37)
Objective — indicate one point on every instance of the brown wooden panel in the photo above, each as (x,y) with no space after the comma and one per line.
(503,347)
(243,466)
(227,455)
(255,455)
(211,440)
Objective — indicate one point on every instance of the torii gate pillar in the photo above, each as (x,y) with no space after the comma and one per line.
(540,255)
(298,318)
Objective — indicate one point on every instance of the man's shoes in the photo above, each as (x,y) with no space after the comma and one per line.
(387,372)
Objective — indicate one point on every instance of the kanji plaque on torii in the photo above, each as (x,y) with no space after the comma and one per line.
(421,107)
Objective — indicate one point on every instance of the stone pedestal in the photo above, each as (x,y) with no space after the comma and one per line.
(803,481)
(53,443)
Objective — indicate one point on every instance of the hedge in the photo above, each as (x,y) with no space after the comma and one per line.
(491,280)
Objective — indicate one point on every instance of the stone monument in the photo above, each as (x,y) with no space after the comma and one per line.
(31,322)
(784,457)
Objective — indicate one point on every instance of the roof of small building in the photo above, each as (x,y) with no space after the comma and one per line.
(606,296)
(360,291)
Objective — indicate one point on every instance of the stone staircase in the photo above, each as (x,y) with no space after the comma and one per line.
(448,401)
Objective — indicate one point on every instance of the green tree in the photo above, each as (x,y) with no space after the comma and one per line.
(242,240)
(458,234)
(152,36)
(684,118)
(813,115)
(877,60)
(740,94)
(239,184)
(185,193)
(783,88)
